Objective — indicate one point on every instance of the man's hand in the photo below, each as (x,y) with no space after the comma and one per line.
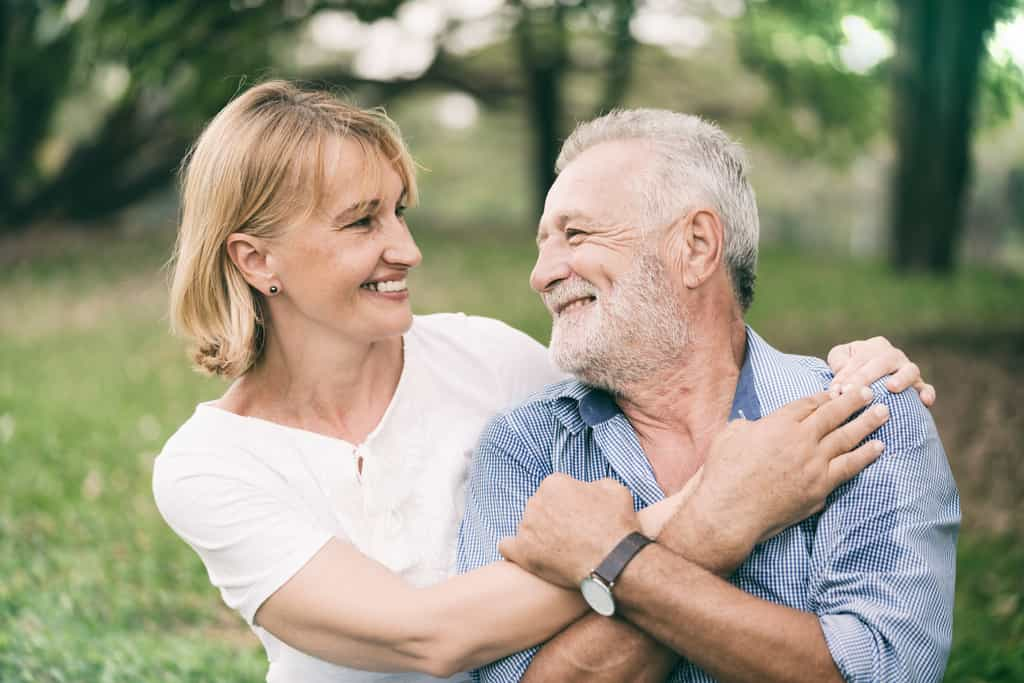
(866,361)
(761,477)
(569,526)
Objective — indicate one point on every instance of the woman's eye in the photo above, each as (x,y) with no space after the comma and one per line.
(400,211)
(361,223)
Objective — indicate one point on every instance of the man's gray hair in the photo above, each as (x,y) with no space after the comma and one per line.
(695,162)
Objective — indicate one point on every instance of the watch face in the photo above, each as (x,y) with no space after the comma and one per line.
(598,596)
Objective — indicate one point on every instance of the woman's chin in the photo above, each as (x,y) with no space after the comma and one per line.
(394,325)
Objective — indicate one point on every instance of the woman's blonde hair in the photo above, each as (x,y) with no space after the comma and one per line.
(259,165)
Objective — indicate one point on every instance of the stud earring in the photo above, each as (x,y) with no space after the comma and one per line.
(274,290)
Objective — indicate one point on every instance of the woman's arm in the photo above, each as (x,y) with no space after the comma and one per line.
(374,620)
(346,608)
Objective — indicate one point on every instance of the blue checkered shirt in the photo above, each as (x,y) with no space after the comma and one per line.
(877,565)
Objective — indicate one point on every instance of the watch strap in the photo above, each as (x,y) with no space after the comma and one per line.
(612,565)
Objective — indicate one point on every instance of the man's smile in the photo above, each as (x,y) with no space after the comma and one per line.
(574,305)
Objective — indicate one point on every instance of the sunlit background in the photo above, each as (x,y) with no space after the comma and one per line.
(887,140)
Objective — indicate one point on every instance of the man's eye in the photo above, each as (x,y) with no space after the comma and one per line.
(573,232)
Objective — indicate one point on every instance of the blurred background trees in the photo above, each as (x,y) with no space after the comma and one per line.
(99,99)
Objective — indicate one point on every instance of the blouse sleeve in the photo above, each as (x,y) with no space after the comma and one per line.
(252,533)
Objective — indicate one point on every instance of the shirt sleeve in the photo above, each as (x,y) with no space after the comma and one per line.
(503,476)
(251,533)
(883,577)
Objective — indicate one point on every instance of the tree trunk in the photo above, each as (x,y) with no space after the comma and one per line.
(940,50)
(621,46)
(543,59)
(32,80)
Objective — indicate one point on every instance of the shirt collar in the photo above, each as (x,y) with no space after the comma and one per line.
(745,403)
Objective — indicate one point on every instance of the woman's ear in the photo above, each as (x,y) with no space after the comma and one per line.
(702,239)
(249,254)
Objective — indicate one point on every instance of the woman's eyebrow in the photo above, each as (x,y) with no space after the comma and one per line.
(358,208)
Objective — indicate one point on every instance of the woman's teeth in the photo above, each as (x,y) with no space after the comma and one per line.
(386,286)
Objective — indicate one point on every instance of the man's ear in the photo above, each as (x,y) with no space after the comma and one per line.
(249,254)
(696,245)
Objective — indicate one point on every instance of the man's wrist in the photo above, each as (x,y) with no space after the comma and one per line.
(705,537)
(597,586)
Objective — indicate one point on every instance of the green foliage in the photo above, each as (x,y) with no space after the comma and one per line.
(97,109)
(108,101)
(1002,91)
(794,45)
(101,106)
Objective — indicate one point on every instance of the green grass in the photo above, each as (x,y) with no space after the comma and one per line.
(988,623)
(93,587)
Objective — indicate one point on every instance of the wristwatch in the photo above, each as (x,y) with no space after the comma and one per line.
(597,588)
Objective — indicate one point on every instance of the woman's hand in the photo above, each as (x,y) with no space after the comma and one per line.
(869,360)
(654,517)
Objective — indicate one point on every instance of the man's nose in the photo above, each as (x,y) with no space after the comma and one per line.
(551,267)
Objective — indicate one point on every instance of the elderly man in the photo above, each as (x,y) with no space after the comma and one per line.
(647,250)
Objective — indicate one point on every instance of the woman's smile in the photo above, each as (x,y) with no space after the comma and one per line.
(395,290)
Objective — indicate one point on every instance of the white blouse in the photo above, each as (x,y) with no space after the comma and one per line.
(256,500)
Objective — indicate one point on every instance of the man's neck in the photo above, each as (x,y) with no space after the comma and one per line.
(677,413)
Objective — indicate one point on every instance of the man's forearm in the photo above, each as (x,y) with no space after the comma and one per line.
(597,648)
(730,634)
(676,605)
(602,650)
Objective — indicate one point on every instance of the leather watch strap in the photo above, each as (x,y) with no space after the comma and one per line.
(619,557)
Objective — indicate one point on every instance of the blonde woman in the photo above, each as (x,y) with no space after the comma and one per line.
(323,490)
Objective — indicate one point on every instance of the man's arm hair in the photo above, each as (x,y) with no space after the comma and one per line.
(731,634)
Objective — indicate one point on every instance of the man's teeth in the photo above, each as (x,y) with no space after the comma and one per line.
(386,286)
(576,304)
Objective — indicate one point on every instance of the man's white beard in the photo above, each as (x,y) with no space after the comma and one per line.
(625,337)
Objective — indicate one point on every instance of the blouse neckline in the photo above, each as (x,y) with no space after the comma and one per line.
(403,380)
